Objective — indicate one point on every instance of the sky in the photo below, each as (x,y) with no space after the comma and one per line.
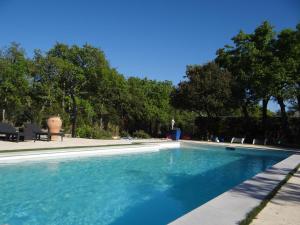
(155,39)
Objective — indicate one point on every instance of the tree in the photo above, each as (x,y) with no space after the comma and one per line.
(149,105)
(73,80)
(263,39)
(250,62)
(287,52)
(14,82)
(47,97)
(237,60)
(206,90)
(71,77)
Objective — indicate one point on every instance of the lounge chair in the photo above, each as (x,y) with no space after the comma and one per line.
(11,134)
(237,140)
(31,130)
(34,132)
(49,135)
(259,141)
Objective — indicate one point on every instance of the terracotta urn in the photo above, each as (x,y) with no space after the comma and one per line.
(54,125)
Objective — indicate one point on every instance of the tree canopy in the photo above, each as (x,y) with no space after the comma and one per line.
(206,90)
(95,100)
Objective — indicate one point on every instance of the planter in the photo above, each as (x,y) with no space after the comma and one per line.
(54,125)
(175,134)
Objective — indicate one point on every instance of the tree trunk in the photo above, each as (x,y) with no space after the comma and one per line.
(74,115)
(3,115)
(4,111)
(264,114)
(245,111)
(284,120)
(282,107)
(150,127)
(101,123)
(298,100)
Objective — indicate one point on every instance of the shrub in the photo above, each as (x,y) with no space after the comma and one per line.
(93,132)
(102,134)
(140,134)
(85,132)
(124,133)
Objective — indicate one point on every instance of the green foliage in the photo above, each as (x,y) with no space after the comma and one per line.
(85,131)
(185,120)
(14,82)
(93,132)
(148,105)
(264,65)
(140,134)
(124,133)
(103,134)
(95,100)
(249,62)
(206,90)
(78,84)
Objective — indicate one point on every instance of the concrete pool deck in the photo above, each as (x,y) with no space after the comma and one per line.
(94,149)
(284,208)
(69,143)
(6,146)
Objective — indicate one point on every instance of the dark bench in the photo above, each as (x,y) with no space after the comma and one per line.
(11,133)
(33,131)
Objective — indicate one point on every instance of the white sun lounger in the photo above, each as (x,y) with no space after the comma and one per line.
(259,141)
(237,140)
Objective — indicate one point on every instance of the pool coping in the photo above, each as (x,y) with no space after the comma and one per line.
(23,150)
(250,146)
(233,206)
(30,145)
(91,151)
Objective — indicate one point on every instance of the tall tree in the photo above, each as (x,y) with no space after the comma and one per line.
(288,53)
(285,70)
(148,105)
(47,96)
(72,80)
(250,62)
(262,54)
(238,61)
(206,90)
(14,82)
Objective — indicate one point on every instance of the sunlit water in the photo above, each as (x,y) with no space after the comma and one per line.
(152,188)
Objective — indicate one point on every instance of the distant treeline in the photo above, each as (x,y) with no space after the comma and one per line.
(243,78)
(79,85)
(95,100)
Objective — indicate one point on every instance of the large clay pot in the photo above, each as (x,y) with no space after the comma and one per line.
(54,125)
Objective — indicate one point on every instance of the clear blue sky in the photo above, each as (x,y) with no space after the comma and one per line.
(154,38)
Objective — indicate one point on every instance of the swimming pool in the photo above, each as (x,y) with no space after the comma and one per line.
(150,188)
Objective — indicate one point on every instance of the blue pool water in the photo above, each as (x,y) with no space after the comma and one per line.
(152,188)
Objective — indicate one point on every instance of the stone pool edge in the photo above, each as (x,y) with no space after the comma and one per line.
(233,206)
(37,155)
(245,146)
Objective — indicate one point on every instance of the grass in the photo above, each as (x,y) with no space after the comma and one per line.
(252,215)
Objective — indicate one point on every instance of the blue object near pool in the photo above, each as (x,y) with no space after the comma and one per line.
(175,134)
(151,188)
